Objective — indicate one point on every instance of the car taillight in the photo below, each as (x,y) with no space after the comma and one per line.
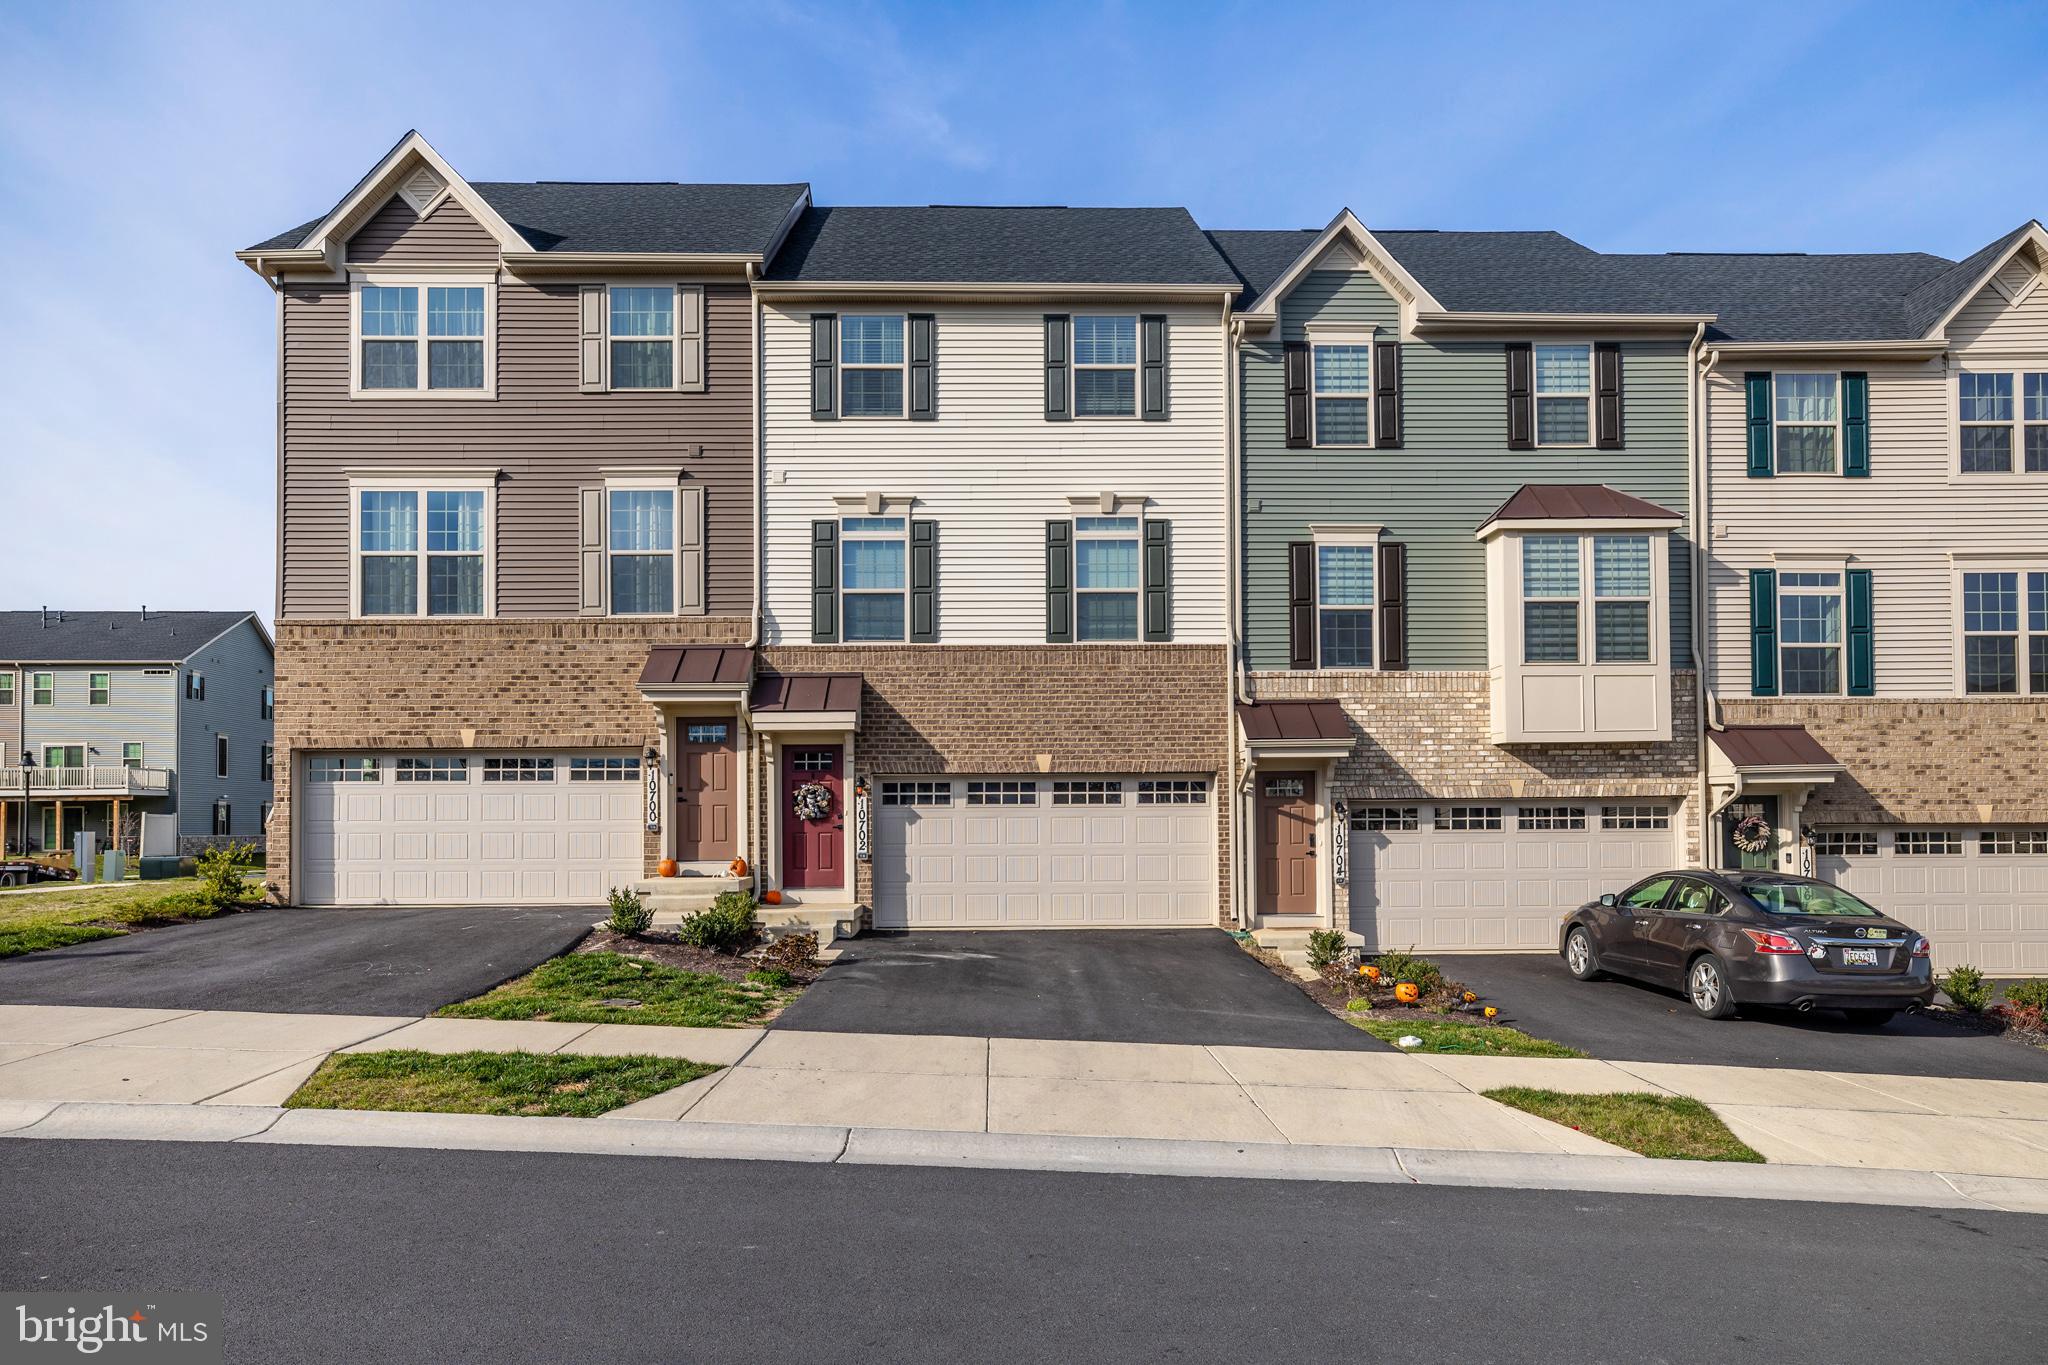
(1921,947)
(1768,942)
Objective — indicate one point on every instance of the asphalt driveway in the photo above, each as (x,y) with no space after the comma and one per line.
(1192,986)
(1624,1021)
(301,961)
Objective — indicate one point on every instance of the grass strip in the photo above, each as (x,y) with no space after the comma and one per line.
(1669,1126)
(573,989)
(1449,1038)
(530,1084)
(32,921)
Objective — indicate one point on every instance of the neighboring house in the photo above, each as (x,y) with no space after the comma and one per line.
(127,713)
(1465,576)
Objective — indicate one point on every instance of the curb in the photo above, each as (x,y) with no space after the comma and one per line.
(1020,1151)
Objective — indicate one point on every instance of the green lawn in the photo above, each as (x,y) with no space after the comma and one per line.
(31,921)
(570,989)
(519,1083)
(1451,1038)
(1654,1125)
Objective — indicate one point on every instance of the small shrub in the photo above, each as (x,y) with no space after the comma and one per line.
(725,926)
(629,916)
(1398,967)
(220,875)
(778,977)
(794,952)
(2028,995)
(1325,948)
(1359,1005)
(1965,987)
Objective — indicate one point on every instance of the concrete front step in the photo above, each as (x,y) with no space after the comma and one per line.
(687,894)
(1291,945)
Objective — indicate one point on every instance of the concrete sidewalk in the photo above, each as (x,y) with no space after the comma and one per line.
(1030,1088)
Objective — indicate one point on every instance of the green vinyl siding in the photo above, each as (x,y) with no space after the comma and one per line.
(1453,471)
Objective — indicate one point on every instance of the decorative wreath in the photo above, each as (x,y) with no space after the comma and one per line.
(1753,834)
(813,801)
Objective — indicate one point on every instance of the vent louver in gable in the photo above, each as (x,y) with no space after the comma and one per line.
(423,190)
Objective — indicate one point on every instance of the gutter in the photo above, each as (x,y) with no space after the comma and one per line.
(753,788)
(1699,505)
(1233,589)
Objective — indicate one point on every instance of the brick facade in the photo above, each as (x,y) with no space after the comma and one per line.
(1974,760)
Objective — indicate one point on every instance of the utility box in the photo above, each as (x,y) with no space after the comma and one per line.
(85,854)
(156,869)
(159,836)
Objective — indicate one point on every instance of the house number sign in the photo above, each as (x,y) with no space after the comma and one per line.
(654,798)
(863,832)
(1340,840)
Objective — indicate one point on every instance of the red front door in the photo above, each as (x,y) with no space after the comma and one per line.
(812,849)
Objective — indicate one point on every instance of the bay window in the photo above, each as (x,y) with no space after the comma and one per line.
(392,325)
(1105,366)
(1550,599)
(404,568)
(2005,632)
(1106,579)
(1807,416)
(1810,634)
(1564,395)
(1621,599)
(2002,418)
(873,554)
(871,366)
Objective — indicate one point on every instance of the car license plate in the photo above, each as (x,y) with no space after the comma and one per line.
(1859,957)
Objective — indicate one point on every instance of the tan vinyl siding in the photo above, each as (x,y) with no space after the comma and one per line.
(547,436)
(1989,322)
(395,235)
(992,471)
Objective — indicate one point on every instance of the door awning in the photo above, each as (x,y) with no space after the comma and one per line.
(697,673)
(1295,729)
(806,701)
(1769,753)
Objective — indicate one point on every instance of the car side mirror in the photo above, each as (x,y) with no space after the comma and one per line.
(1608,899)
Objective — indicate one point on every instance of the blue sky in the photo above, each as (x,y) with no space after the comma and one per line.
(141,145)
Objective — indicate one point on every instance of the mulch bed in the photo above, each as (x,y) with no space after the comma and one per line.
(655,946)
(1334,999)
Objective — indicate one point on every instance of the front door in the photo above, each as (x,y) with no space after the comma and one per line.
(705,824)
(813,830)
(1734,835)
(1287,843)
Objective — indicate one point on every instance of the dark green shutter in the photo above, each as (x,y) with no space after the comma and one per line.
(1862,637)
(1152,338)
(824,582)
(1057,383)
(924,581)
(824,366)
(1059,582)
(1856,425)
(923,403)
(1758,385)
(1301,604)
(1158,580)
(1763,632)
(1607,394)
(1296,356)
(1386,394)
(1521,382)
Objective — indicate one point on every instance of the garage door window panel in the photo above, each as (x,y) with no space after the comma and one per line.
(1470,819)
(1844,843)
(1173,792)
(519,768)
(330,768)
(2007,843)
(1927,843)
(1635,817)
(1106,578)
(1550,818)
(432,770)
(917,793)
(623,769)
(1002,793)
(874,554)
(1088,793)
(1386,819)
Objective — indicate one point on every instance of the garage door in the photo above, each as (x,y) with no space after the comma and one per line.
(1487,877)
(1021,852)
(1981,895)
(465,829)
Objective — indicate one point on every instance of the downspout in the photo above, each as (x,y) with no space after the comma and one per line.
(1240,689)
(755,789)
(1699,488)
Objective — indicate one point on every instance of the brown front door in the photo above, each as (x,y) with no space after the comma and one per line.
(705,824)
(811,848)
(1287,843)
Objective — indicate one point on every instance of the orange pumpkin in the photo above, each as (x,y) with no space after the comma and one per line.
(1407,992)
(738,867)
(1372,973)
(1491,1011)
(771,898)
(1469,997)
(665,868)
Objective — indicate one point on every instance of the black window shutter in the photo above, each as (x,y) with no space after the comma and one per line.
(1386,394)
(1757,387)
(824,582)
(1059,582)
(1297,395)
(1152,336)
(1763,632)
(1862,677)
(924,581)
(1607,394)
(1393,605)
(1158,580)
(1855,425)
(824,366)
(1057,383)
(923,397)
(1521,396)
(1301,604)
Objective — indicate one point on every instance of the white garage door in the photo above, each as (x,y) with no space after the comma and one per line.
(465,829)
(1492,877)
(1981,895)
(1024,852)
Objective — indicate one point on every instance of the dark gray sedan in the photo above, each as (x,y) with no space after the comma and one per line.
(1729,939)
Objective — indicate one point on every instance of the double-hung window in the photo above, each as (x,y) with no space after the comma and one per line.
(2005,632)
(6,689)
(2001,412)
(1810,634)
(99,689)
(1344,605)
(1106,578)
(1550,599)
(1341,376)
(874,577)
(1564,395)
(42,689)
(1621,599)
(643,336)
(641,541)
(131,755)
(403,569)
(1105,365)
(1807,415)
(871,365)
(457,335)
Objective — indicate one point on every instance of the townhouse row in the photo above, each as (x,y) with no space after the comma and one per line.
(1051,567)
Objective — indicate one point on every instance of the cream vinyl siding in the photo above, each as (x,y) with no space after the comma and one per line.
(991,471)
(1990,323)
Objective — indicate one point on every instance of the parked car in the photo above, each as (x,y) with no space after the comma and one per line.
(1729,939)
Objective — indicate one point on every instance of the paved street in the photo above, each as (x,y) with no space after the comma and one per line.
(341,1254)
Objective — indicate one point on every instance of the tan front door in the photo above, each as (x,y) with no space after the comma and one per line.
(706,817)
(1287,843)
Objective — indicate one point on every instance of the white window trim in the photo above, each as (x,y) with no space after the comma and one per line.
(1138,513)
(422,282)
(30,698)
(1838,567)
(2020,567)
(10,691)
(1342,336)
(902,367)
(266,763)
(89,688)
(672,485)
(898,537)
(423,485)
(674,338)
(2018,369)
(1519,562)
(1592,395)
(223,755)
(1777,446)
(1587,532)
(1136,367)
(141,752)
(1334,536)
(42,751)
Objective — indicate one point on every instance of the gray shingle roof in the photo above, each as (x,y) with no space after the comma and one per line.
(1926,304)
(953,244)
(109,637)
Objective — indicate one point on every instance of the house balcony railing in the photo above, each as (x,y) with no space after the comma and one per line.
(98,779)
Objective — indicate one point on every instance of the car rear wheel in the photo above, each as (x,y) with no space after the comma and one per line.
(1869,1018)
(1706,985)
(1580,959)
